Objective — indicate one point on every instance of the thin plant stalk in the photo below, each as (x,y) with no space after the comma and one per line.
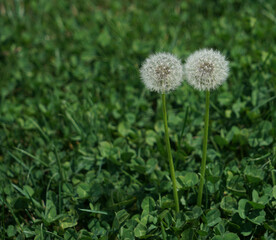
(272,173)
(60,182)
(164,236)
(204,152)
(168,145)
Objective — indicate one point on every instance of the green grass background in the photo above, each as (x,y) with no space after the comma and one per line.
(82,151)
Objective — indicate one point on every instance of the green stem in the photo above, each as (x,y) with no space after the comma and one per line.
(204,153)
(168,145)
(164,236)
(272,173)
(60,182)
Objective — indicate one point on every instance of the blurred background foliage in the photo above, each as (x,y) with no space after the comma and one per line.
(82,152)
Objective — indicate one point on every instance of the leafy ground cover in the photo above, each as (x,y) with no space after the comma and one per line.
(82,141)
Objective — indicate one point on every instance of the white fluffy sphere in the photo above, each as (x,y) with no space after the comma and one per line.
(206,69)
(162,72)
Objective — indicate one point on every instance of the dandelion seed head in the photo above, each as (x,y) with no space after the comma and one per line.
(162,72)
(206,69)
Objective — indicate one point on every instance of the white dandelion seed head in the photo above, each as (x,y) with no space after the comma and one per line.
(206,69)
(162,72)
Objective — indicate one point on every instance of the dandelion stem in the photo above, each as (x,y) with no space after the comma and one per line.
(204,152)
(168,145)
(60,182)
(272,173)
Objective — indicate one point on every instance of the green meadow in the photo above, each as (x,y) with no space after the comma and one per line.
(82,148)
